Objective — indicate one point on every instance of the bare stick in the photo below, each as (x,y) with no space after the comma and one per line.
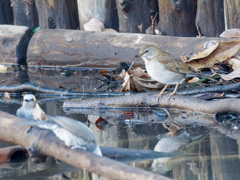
(149,100)
(44,142)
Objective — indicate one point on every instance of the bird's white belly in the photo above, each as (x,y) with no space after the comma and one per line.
(157,72)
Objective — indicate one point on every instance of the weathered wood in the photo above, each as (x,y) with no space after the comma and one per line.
(132,14)
(232,14)
(57,14)
(25,13)
(150,100)
(6,12)
(97,49)
(103,10)
(177,18)
(44,142)
(9,39)
(210,17)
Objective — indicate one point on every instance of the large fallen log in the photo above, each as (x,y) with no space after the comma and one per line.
(97,49)
(148,100)
(43,142)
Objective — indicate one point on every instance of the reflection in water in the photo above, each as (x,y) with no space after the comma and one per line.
(202,153)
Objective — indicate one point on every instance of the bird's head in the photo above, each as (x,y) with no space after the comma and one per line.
(29,101)
(148,52)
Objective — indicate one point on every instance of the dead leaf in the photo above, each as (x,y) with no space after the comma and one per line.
(3,68)
(215,54)
(194,80)
(138,80)
(230,33)
(235,63)
(121,75)
(232,75)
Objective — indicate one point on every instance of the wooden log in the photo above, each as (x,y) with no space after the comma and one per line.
(132,13)
(44,142)
(177,18)
(107,50)
(6,12)
(57,14)
(9,38)
(146,100)
(103,10)
(210,17)
(232,13)
(25,13)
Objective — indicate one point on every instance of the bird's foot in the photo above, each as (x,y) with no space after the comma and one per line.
(159,96)
(170,95)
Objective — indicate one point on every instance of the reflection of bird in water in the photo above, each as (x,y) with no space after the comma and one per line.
(73,133)
(30,109)
(169,144)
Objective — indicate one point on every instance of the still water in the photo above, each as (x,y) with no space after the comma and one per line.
(207,150)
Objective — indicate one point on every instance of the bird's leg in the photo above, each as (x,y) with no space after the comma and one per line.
(174,91)
(162,91)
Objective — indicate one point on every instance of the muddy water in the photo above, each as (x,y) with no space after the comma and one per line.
(202,152)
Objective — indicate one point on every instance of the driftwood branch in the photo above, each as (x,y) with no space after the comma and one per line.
(148,100)
(48,92)
(215,89)
(43,142)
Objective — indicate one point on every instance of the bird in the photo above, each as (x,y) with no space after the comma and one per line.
(73,133)
(30,109)
(165,68)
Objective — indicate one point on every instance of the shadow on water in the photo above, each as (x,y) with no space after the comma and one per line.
(203,151)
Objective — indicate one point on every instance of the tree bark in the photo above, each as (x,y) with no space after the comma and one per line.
(6,12)
(232,14)
(210,17)
(44,142)
(132,14)
(25,13)
(177,18)
(57,14)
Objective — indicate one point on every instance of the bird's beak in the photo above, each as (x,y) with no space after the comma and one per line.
(140,55)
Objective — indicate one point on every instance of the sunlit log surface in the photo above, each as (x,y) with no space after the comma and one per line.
(43,142)
(97,49)
(150,100)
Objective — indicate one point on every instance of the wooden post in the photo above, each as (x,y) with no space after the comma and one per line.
(25,13)
(57,14)
(103,10)
(232,14)
(210,17)
(133,13)
(177,18)
(6,13)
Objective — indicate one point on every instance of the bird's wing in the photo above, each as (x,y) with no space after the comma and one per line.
(178,66)
(77,128)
